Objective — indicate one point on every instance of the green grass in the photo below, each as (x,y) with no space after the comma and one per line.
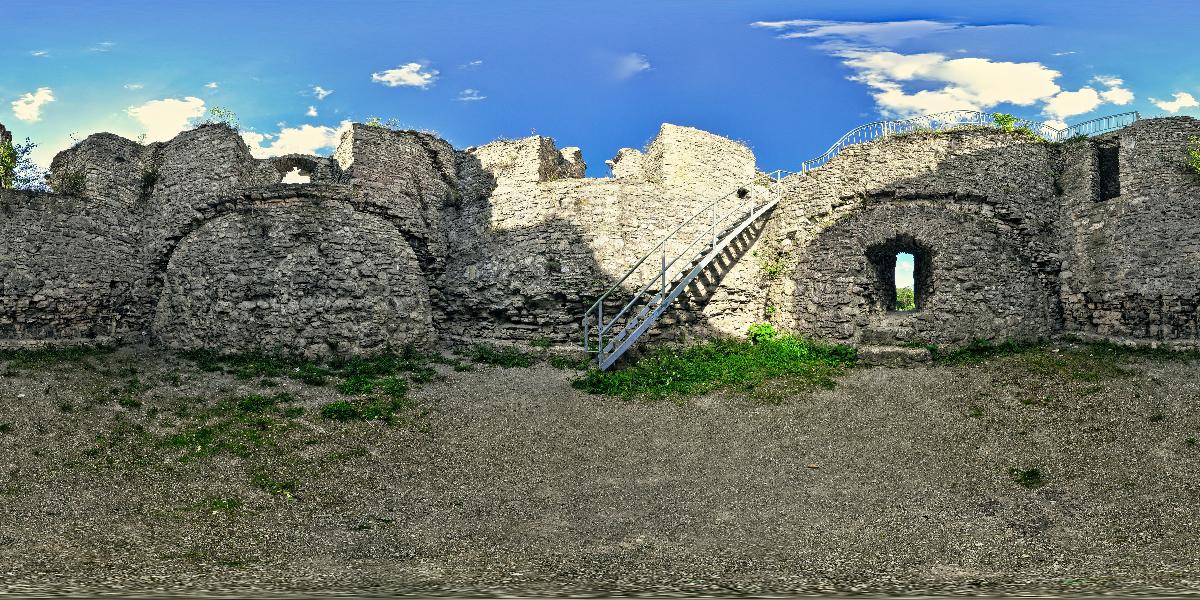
(287,488)
(239,426)
(53,356)
(981,350)
(727,363)
(1030,478)
(500,357)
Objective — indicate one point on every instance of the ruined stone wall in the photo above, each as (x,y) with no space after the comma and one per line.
(1132,262)
(67,269)
(976,207)
(533,243)
(400,239)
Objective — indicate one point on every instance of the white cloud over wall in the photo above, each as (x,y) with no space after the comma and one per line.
(1181,101)
(29,106)
(162,119)
(907,84)
(409,75)
(305,139)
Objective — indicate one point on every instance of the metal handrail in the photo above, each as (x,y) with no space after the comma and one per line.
(716,227)
(959,118)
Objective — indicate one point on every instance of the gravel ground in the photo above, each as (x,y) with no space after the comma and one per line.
(511,481)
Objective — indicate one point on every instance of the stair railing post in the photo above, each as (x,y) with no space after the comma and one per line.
(600,327)
(664,272)
(714,224)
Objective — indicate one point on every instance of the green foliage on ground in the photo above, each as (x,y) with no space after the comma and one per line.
(981,350)
(237,426)
(1030,478)
(905,299)
(725,363)
(379,383)
(53,356)
(500,357)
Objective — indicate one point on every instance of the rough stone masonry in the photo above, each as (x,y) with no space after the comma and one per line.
(401,239)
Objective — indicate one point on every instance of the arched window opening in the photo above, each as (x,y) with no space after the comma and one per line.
(904,276)
(296,176)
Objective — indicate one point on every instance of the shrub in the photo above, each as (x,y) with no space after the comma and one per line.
(219,115)
(1193,151)
(1004,121)
(761,332)
(17,169)
(905,299)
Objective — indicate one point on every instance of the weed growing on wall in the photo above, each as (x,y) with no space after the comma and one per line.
(1193,151)
(1004,121)
(219,115)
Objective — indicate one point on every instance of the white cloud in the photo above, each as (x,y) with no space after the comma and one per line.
(862,33)
(312,111)
(1067,53)
(162,119)
(29,106)
(472,64)
(409,75)
(1182,100)
(921,83)
(294,176)
(212,85)
(470,95)
(1116,92)
(965,83)
(320,92)
(305,139)
(631,64)
(39,53)
(1068,104)
(134,86)
(102,47)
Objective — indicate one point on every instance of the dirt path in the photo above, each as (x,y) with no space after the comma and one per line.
(1045,471)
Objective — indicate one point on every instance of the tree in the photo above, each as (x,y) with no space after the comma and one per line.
(905,299)
(17,169)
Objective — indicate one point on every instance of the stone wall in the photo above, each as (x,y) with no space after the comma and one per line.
(976,208)
(1132,267)
(401,239)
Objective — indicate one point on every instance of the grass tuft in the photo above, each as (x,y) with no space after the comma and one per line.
(1030,478)
(725,363)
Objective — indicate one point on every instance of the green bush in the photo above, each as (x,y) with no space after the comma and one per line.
(17,169)
(1004,121)
(905,299)
(1193,151)
(761,332)
(723,363)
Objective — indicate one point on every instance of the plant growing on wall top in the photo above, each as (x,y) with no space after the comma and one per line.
(17,169)
(1004,121)
(219,115)
(1193,151)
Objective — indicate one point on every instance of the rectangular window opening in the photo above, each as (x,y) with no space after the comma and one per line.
(1108,177)
(906,288)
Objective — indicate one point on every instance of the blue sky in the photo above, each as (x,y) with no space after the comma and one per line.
(787,78)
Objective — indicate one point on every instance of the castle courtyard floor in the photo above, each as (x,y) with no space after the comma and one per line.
(137,471)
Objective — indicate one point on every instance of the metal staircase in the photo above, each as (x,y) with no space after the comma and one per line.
(609,330)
